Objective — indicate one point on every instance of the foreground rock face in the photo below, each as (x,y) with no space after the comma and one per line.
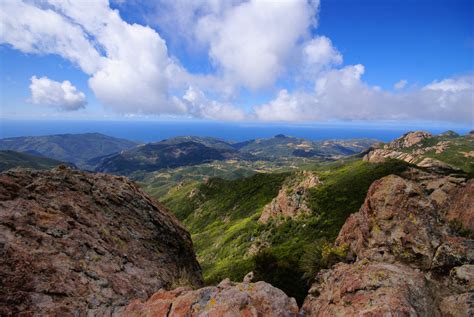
(227,299)
(370,289)
(77,244)
(409,259)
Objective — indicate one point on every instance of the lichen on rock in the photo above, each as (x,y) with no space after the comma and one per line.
(76,244)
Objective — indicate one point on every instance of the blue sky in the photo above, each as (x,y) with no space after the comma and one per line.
(334,60)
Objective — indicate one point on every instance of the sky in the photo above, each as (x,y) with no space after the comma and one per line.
(233,60)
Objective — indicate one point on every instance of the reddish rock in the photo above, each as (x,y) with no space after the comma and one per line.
(408,259)
(369,289)
(462,209)
(291,199)
(226,299)
(77,244)
(458,305)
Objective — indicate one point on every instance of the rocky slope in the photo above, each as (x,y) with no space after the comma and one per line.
(411,250)
(445,152)
(77,244)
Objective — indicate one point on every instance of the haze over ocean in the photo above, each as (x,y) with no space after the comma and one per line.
(149,131)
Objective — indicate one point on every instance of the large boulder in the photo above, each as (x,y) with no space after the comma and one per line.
(407,258)
(82,244)
(370,289)
(227,299)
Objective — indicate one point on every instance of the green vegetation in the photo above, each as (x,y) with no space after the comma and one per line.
(11,159)
(222,216)
(159,183)
(286,146)
(456,152)
(321,255)
(192,151)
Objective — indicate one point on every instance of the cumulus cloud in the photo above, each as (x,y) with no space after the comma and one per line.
(253,41)
(127,63)
(33,30)
(342,94)
(400,84)
(319,53)
(251,44)
(61,95)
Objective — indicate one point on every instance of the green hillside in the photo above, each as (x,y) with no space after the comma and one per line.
(12,159)
(452,149)
(222,216)
(158,183)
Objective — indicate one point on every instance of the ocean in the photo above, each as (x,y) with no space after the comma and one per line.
(148,131)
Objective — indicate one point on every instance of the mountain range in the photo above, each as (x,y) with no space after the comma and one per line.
(73,148)
(98,152)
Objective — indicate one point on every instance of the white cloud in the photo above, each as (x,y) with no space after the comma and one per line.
(197,104)
(341,94)
(127,62)
(400,84)
(253,41)
(63,96)
(319,53)
(452,85)
(34,30)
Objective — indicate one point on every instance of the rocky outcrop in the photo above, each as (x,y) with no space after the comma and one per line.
(370,289)
(409,149)
(291,199)
(227,299)
(409,139)
(81,244)
(381,155)
(408,259)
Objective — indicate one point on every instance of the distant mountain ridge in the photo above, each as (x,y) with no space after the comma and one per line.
(98,152)
(74,148)
(286,146)
(166,154)
(193,150)
(10,159)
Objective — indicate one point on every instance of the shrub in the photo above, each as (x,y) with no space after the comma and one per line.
(321,255)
